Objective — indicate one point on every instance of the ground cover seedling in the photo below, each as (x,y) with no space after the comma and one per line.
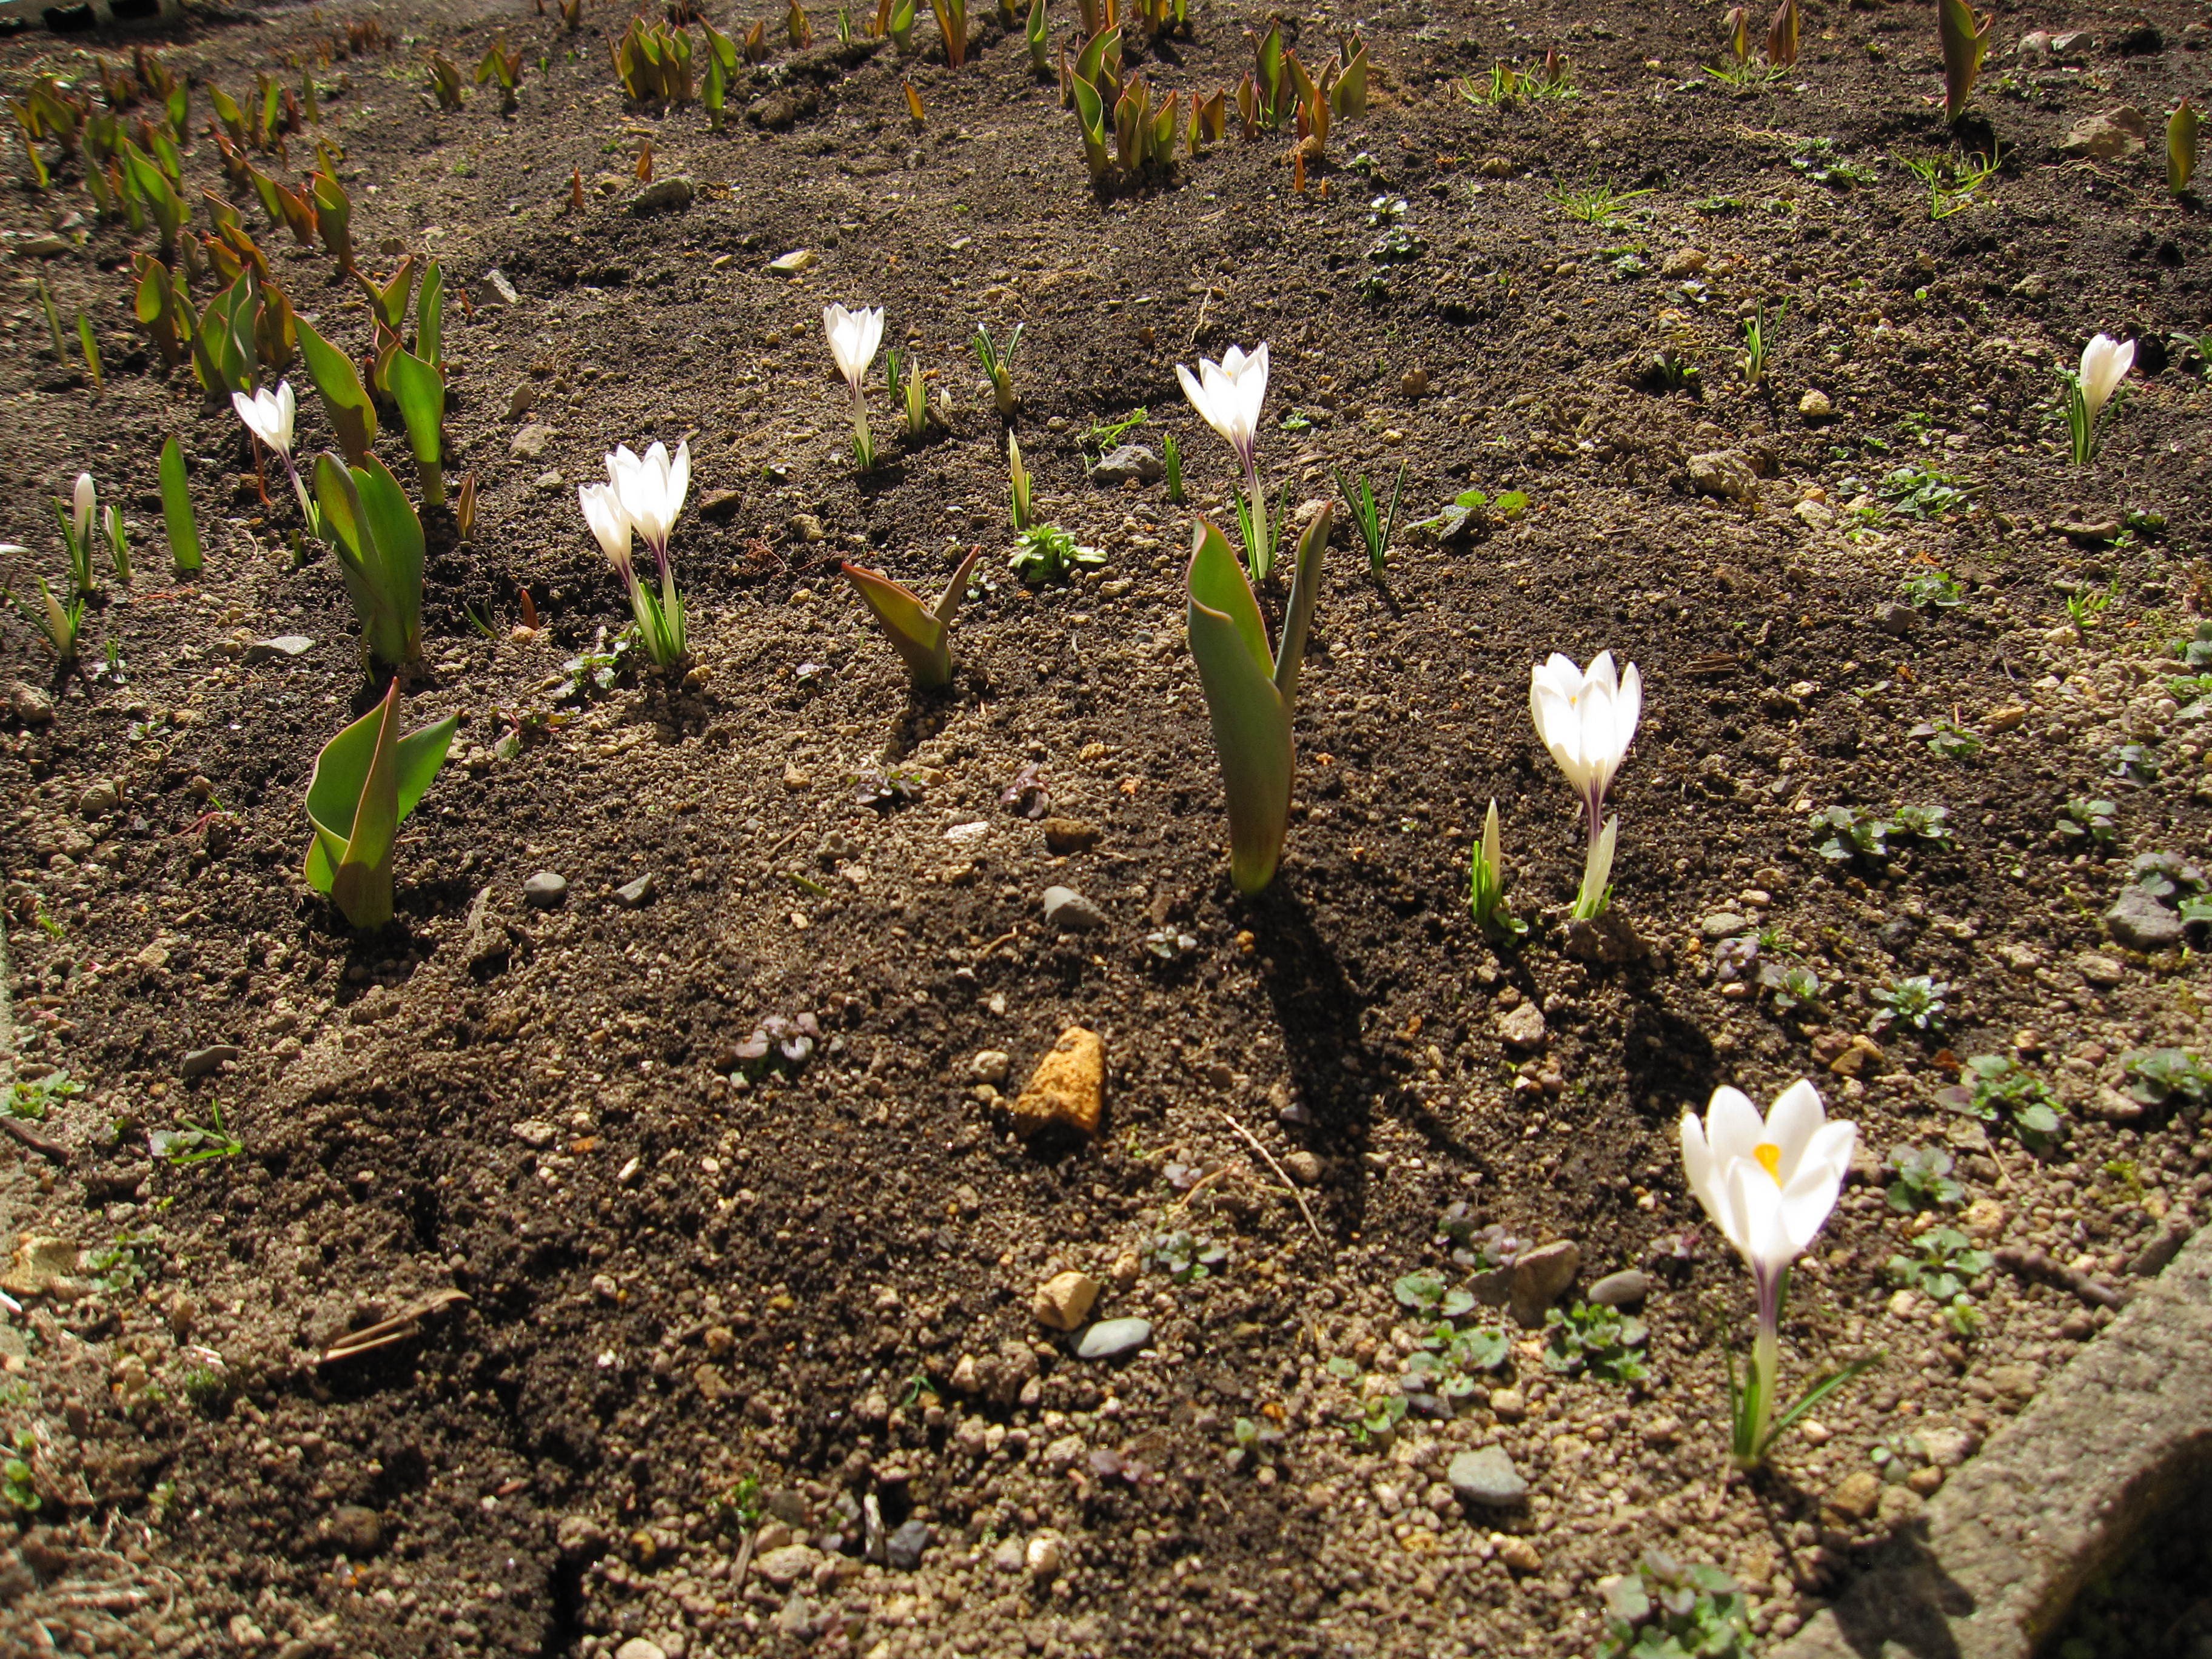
(1916,1001)
(1921,1179)
(779,1043)
(1046,555)
(1507,85)
(1943,1262)
(31,1098)
(1602,1341)
(1667,1610)
(1186,1258)
(191,1142)
(2004,1094)
(1593,204)
(1374,523)
(2167,1078)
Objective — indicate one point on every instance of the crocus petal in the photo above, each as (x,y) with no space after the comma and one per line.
(1733,1124)
(1758,1200)
(610,526)
(1792,1125)
(86,500)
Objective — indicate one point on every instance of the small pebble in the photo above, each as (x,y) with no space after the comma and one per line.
(545,890)
(1109,1339)
(1622,1290)
(633,894)
(1069,912)
(905,1545)
(1486,1476)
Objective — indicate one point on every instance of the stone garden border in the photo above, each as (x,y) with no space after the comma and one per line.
(2056,1497)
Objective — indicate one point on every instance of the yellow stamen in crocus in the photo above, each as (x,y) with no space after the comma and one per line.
(1770,1159)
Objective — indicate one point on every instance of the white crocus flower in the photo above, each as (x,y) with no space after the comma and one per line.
(268,415)
(610,527)
(1587,720)
(643,495)
(86,503)
(854,337)
(1228,395)
(1769,1186)
(2105,364)
(651,492)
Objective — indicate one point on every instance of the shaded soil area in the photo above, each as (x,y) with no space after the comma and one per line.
(749,1363)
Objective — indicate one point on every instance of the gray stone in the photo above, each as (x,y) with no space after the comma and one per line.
(905,1545)
(2139,922)
(2102,971)
(1069,912)
(200,1062)
(548,483)
(354,1532)
(1539,1276)
(503,291)
(101,798)
(1894,619)
(284,644)
(530,443)
(639,1648)
(546,891)
(1109,1339)
(1724,924)
(1487,1477)
(1622,1290)
(2054,1501)
(1726,473)
(1125,462)
(635,895)
(534,1133)
(663,195)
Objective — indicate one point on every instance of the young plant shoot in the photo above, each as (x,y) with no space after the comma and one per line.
(1369,517)
(1768,1187)
(1228,395)
(2105,364)
(921,635)
(643,497)
(269,416)
(1250,698)
(56,621)
(1018,484)
(1587,720)
(366,780)
(379,541)
(854,337)
(1485,888)
(998,364)
(177,509)
(1964,34)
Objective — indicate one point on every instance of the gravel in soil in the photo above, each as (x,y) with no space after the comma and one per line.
(489,1298)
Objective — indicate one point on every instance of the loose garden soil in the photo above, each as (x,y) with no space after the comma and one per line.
(704,1325)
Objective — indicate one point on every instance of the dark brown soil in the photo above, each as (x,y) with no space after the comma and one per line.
(687,1300)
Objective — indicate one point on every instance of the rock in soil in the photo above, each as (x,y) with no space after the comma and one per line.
(1069,912)
(1109,1339)
(1622,1290)
(1487,1477)
(1125,463)
(546,891)
(1064,837)
(1539,1277)
(1063,1301)
(1068,1088)
(1522,1026)
(2141,922)
(905,1545)
(635,895)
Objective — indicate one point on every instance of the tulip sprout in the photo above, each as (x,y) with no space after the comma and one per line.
(643,497)
(2181,128)
(1587,721)
(76,517)
(854,337)
(379,541)
(1250,699)
(1229,395)
(2105,364)
(998,364)
(1018,483)
(1769,1187)
(921,634)
(1965,35)
(346,402)
(367,781)
(177,509)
